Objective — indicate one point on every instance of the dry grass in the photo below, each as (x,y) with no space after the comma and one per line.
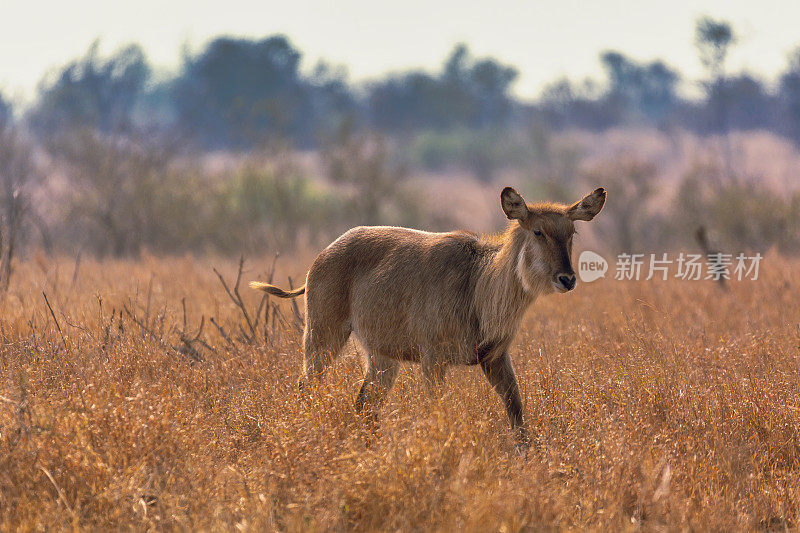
(657,404)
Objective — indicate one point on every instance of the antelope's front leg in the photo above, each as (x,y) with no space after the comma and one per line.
(500,374)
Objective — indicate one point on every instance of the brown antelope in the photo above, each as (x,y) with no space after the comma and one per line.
(438,299)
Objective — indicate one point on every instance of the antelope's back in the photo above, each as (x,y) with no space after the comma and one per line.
(402,286)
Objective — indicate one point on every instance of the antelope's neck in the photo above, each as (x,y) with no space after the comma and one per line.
(501,294)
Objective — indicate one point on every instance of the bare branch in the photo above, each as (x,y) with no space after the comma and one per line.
(54,318)
(236,298)
(222,332)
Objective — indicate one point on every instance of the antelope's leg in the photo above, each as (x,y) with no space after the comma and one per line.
(378,381)
(321,346)
(500,374)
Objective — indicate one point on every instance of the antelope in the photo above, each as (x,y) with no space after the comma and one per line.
(438,299)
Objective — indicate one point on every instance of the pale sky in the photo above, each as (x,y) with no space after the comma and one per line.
(543,39)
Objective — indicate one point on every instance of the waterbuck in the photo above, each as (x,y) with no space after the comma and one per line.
(438,299)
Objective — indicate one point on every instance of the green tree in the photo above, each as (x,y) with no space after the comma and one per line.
(713,39)
(639,92)
(94,92)
(238,91)
(468,92)
(789,94)
(6,112)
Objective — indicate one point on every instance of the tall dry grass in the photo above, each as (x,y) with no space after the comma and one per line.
(656,404)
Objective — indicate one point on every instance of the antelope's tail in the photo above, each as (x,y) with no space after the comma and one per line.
(277,291)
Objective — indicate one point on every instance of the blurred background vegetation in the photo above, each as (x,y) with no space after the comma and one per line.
(242,151)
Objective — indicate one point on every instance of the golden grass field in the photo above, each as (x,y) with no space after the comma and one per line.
(661,405)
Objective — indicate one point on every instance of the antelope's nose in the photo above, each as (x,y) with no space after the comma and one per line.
(568,281)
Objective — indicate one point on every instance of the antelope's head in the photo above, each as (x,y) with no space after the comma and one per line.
(547,229)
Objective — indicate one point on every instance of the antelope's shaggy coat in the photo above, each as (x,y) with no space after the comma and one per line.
(439,299)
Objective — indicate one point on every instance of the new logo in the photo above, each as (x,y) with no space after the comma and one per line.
(591,266)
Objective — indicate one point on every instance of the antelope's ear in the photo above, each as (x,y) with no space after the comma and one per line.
(514,205)
(589,206)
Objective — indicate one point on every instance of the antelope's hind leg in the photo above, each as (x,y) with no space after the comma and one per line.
(321,345)
(378,381)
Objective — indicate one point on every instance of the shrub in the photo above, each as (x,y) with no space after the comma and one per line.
(262,207)
(740,215)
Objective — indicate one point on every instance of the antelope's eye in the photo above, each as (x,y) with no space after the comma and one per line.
(537,232)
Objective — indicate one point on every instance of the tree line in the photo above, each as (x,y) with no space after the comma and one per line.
(237,93)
